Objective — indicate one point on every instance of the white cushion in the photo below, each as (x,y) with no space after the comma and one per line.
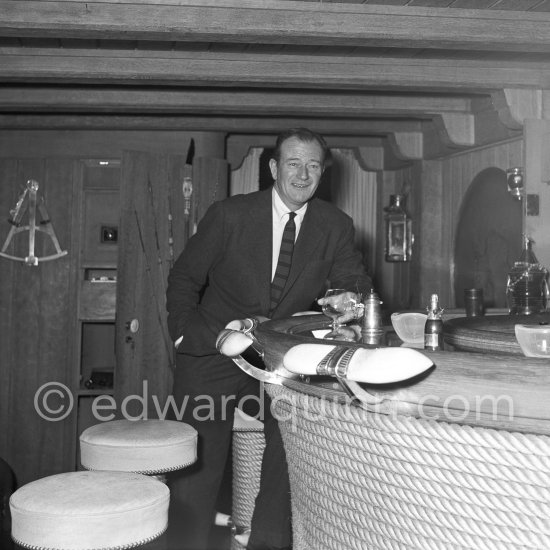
(145,446)
(89,510)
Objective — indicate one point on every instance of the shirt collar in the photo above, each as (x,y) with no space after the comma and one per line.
(280,209)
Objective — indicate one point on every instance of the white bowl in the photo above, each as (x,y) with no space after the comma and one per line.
(409,326)
(534,340)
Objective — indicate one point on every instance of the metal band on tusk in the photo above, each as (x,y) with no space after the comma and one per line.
(341,369)
(253,325)
(222,337)
(327,365)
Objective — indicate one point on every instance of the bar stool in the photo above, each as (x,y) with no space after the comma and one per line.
(89,511)
(151,447)
(248,449)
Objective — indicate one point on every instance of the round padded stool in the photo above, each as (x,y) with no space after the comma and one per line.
(89,511)
(248,450)
(143,446)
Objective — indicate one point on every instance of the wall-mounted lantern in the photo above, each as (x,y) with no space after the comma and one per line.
(399,237)
(514,180)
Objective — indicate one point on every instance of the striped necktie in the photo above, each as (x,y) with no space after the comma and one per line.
(285,259)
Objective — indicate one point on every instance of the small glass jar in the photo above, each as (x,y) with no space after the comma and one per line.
(473,302)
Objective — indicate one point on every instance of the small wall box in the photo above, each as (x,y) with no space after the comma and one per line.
(109,234)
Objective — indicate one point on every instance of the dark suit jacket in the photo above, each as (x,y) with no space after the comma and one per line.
(224,273)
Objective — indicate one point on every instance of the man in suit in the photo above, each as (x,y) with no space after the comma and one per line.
(226,273)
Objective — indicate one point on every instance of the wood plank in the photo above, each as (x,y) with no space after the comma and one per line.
(513,5)
(359,127)
(282,23)
(543,5)
(233,70)
(57,330)
(131,275)
(9,194)
(222,101)
(81,143)
(211,178)
(25,324)
(430,3)
(537,163)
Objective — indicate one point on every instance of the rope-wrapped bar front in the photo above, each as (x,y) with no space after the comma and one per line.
(365,480)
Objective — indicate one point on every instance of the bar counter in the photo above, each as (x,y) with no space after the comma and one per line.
(457,458)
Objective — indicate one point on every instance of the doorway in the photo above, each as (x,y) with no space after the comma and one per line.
(488,238)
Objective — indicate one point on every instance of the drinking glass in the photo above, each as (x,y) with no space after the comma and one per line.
(337,308)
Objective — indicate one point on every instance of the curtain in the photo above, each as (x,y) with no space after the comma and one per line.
(353,190)
(246,178)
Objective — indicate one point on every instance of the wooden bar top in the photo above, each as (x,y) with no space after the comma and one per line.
(491,390)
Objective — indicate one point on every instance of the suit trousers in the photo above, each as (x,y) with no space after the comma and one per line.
(206,391)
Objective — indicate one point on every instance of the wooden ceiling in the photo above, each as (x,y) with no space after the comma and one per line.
(422,77)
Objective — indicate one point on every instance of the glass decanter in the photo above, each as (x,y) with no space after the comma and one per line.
(527,284)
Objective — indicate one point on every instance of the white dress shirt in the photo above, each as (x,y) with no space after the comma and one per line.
(280,217)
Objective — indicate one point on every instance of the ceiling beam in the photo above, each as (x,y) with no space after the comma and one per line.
(225,102)
(524,104)
(459,128)
(237,124)
(139,67)
(407,145)
(304,23)
(489,121)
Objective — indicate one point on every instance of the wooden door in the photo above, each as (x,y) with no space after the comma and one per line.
(154,227)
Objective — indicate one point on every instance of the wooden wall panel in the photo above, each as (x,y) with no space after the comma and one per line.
(211,176)
(38,305)
(445,183)
(40,330)
(436,189)
(393,280)
(537,181)
(8,198)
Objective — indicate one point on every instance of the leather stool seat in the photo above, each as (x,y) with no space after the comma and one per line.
(89,511)
(144,446)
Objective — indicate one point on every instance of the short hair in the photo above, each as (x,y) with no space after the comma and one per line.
(302,134)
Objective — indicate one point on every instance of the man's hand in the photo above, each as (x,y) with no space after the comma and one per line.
(353,307)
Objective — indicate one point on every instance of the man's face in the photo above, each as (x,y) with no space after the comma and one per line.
(298,172)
